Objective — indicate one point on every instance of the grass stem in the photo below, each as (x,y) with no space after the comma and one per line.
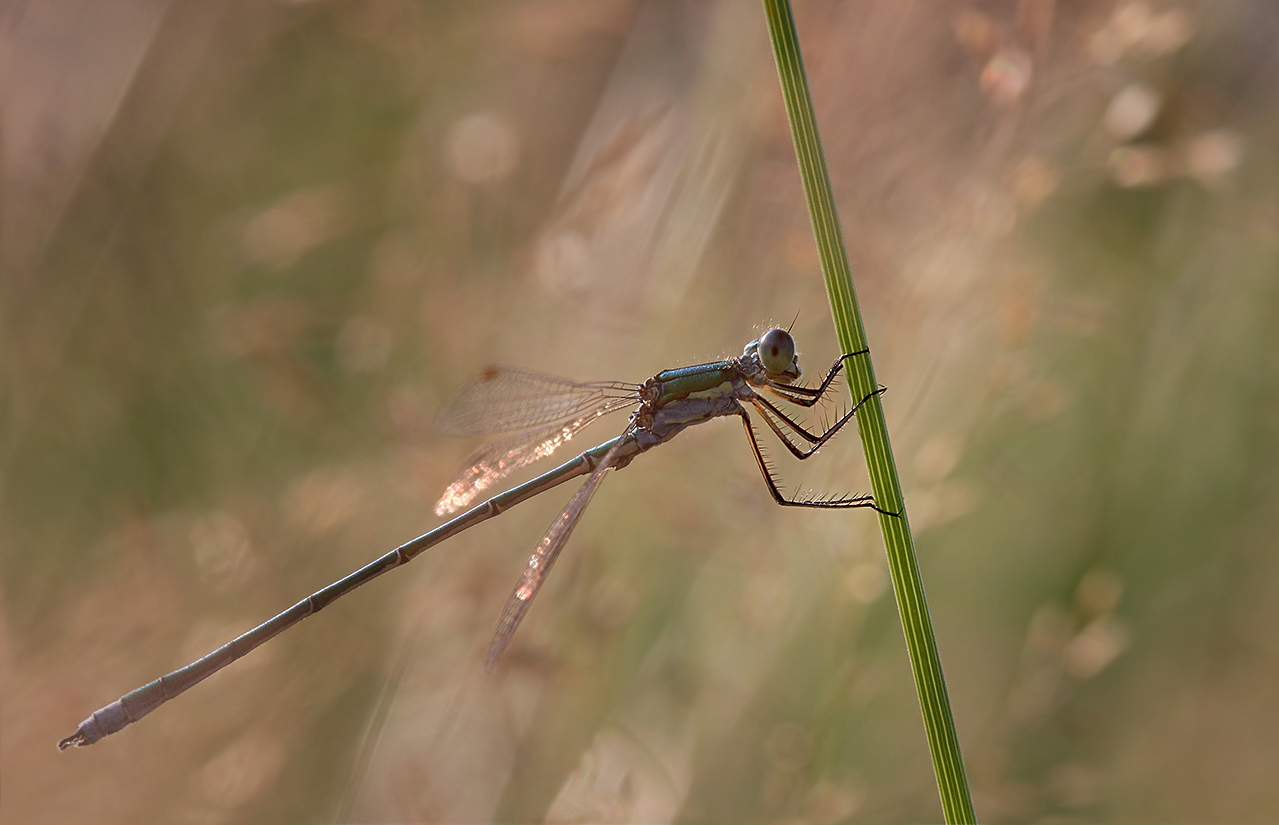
(908,586)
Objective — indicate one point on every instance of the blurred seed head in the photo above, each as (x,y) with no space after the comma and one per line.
(322,501)
(1039,674)
(294,225)
(1035,179)
(975,31)
(1099,591)
(1169,32)
(1006,77)
(1134,166)
(564,261)
(222,550)
(1049,630)
(1096,646)
(631,774)
(1211,156)
(1132,111)
(1137,29)
(481,148)
(1132,21)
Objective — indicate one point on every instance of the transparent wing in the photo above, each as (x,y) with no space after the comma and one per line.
(505,399)
(539,564)
(495,461)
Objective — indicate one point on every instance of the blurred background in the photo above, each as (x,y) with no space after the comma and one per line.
(249,248)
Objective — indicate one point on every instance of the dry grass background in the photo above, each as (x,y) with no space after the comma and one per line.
(249,247)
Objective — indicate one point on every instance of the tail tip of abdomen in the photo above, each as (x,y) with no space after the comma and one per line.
(86,734)
(75,740)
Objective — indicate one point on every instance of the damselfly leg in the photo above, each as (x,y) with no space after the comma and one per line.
(804,397)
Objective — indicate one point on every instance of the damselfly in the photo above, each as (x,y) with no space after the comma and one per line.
(542,412)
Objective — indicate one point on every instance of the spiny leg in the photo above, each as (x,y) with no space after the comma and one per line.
(849,501)
(808,396)
(768,410)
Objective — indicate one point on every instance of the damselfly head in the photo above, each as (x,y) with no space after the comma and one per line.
(776,352)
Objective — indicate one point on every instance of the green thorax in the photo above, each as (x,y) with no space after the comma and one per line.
(701,380)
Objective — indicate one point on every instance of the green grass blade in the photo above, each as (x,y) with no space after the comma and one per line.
(908,586)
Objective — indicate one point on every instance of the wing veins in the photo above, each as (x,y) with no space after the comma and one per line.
(539,564)
(506,399)
(497,460)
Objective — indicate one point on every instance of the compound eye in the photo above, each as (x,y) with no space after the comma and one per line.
(777,351)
